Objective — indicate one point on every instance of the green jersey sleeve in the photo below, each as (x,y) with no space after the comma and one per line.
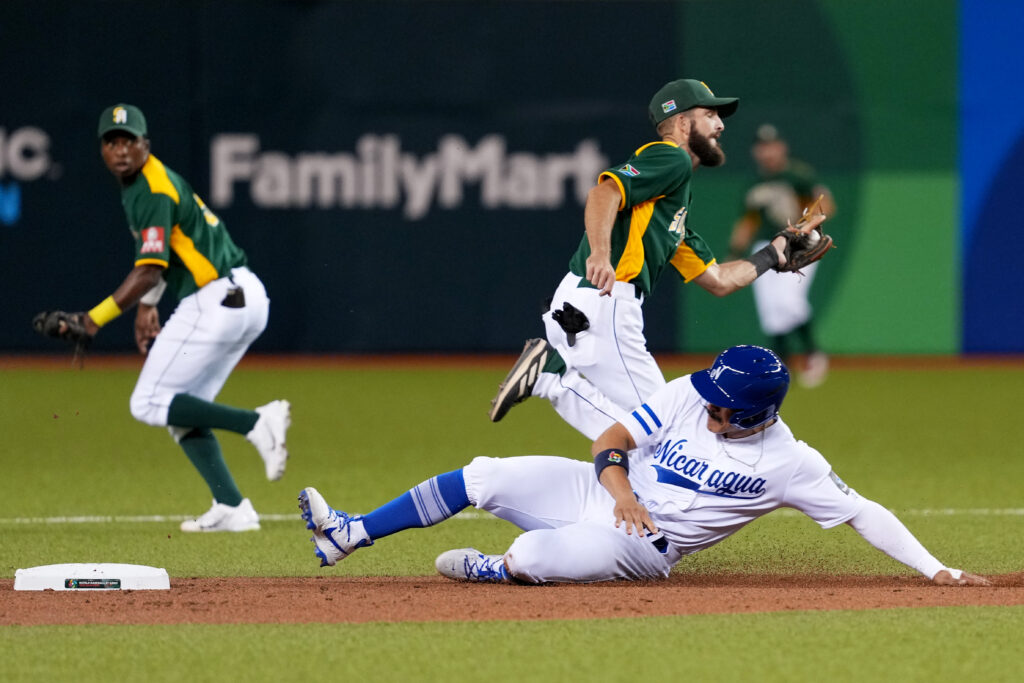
(154,216)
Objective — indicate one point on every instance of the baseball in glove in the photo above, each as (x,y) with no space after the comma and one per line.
(805,241)
(67,326)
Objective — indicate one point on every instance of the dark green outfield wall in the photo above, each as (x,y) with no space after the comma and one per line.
(870,102)
(464,136)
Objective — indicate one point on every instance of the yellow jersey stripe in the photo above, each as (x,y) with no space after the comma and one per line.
(632,260)
(202,270)
(159,182)
(688,263)
(151,262)
(656,142)
(622,190)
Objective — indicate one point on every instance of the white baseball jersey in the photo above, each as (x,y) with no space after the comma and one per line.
(700,487)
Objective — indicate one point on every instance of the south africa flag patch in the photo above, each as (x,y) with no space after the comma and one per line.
(629,170)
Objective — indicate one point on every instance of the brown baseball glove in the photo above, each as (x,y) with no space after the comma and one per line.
(805,241)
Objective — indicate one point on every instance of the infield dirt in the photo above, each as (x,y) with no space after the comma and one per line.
(364,599)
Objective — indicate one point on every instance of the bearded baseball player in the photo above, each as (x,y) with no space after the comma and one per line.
(784,188)
(594,365)
(701,458)
(183,247)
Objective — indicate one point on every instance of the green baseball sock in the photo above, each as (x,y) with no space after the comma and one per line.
(189,411)
(806,334)
(780,345)
(554,364)
(201,447)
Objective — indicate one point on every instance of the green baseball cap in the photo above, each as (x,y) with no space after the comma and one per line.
(687,93)
(124,117)
(766,132)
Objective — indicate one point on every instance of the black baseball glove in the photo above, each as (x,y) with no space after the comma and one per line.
(804,245)
(67,326)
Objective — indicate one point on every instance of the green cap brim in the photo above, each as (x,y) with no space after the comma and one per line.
(725,106)
(128,129)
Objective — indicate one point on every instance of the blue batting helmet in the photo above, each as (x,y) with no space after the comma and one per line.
(750,380)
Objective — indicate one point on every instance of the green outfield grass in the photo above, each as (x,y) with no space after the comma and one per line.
(937,447)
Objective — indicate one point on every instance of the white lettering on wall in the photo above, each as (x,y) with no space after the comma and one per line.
(380,175)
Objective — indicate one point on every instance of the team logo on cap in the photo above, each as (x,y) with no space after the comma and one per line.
(152,241)
(120,115)
(669,106)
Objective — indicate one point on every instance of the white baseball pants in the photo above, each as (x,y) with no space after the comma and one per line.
(568,519)
(199,346)
(782,299)
(610,371)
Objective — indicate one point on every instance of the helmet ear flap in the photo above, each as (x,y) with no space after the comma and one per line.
(747,421)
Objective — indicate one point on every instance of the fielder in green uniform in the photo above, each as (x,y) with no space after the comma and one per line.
(182,246)
(783,189)
(594,366)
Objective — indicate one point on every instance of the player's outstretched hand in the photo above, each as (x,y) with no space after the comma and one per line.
(630,512)
(945,578)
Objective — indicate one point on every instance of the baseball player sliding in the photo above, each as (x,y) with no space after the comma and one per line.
(701,458)
(594,365)
(181,246)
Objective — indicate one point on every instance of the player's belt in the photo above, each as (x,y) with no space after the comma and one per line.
(620,290)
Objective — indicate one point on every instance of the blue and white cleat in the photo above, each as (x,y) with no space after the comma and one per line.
(469,564)
(335,533)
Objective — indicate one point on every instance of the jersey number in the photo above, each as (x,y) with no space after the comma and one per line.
(678,224)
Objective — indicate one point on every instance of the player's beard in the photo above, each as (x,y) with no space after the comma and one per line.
(708,153)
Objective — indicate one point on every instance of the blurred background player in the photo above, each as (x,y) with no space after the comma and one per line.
(784,188)
(222,308)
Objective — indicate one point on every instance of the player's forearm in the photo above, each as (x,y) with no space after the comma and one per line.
(722,279)
(138,282)
(885,531)
(616,480)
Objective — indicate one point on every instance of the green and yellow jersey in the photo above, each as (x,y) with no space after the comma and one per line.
(174,229)
(650,229)
(773,199)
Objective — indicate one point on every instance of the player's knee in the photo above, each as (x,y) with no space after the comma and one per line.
(145,410)
(525,557)
(477,475)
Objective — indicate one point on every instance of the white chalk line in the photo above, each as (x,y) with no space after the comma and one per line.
(465,514)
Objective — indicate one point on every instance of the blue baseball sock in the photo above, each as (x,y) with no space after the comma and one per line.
(433,501)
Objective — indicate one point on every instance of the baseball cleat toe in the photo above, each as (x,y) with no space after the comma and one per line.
(518,384)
